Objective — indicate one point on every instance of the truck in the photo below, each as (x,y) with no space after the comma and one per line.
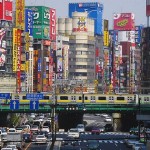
(15,138)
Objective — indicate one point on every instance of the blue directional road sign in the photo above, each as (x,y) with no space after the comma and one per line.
(4,95)
(34,105)
(14,104)
(34,96)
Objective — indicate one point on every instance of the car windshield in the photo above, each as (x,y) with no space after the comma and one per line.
(73,130)
(40,136)
(34,126)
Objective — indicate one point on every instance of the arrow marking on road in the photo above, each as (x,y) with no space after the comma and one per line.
(34,103)
(14,103)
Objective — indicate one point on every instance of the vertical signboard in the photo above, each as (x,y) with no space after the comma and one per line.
(105,25)
(29,21)
(15,49)
(147,8)
(53,24)
(20,16)
(18,61)
(6,10)
(59,64)
(106,38)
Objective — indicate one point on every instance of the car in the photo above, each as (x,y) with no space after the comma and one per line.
(107,119)
(131,142)
(96,130)
(43,133)
(41,116)
(45,128)
(12,130)
(40,139)
(93,145)
(80,128)
(137,146)
(104,115)
(108,127)
(32,115)
(19,129)
(3,133)
(73,132)
(34,129)
(14,147)
(27,137)
(6,148)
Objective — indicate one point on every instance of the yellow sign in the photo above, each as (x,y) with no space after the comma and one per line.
(23,67)
(27,66)
(27,40)
(20,14)
(106,38)
(15,49)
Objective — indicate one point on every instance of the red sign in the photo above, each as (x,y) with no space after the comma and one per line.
(6,10)
(124,21)
(147,7)
(53,24)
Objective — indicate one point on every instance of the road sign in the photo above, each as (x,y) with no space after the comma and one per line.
(34,105)
(14,104)
(34,96)
(4,95)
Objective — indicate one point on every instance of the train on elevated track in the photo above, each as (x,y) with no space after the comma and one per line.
(86,98)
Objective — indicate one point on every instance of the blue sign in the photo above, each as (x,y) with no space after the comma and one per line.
(39,64)
(4,95)
(14,104)
(29,21)
(34,105)
(34,96)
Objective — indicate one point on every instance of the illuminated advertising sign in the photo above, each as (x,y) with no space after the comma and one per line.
(59,64)
(106,38)
(27,41)
(41,32)
(147,7)
(15,49)
(6,10)
(105,25)
(41,15)
(138,34)
(81,25)
(29,21)
(20,15)
(124,21)
(18,60)
(53,24)
(88,4)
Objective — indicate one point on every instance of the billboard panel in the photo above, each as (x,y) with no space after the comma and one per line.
(106,38)
(6,10)
(59,64)
(124,21)
(41,32)
(126,36)
(138,34)
(41,15)
(105,25)
(147,7)
(15,49)
(53,24)
(29,21)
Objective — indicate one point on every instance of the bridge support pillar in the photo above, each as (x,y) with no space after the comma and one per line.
(116,122)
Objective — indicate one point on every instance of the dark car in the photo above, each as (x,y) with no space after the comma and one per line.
(27,137)
(108,128)
(96,130)
(93,145)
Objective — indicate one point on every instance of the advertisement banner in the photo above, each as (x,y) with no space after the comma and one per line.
(29,21)
(23,67)
(39,64)
(124,21)
(59,64)
(15,49)
(6,10)
(147,8)
(105,25)
(41,15)
(138,34)
(106,38)
(27,41)
(53,24)
(41,32)
(27,67)
(20,14)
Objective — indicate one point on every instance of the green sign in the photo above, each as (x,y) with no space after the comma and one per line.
(41,32)
(41,15)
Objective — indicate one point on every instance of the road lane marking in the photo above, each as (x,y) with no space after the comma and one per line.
(28,146)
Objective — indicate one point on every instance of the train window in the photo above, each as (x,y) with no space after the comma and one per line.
(73,98)
(101,98)
(86,98)
(63,97)
(46,97)
(92,97)
(111,98)
(147,98)
(80,98)
(24,97)
(120,98)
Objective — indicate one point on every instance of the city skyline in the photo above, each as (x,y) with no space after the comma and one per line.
(123,6)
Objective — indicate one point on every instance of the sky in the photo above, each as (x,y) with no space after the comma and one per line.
(138,7)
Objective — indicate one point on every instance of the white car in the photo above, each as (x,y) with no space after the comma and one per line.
(40,139)
(12,130)
(14,147)
(81,127)
(45,128)
(107,119)
(73,132)
(34,129)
